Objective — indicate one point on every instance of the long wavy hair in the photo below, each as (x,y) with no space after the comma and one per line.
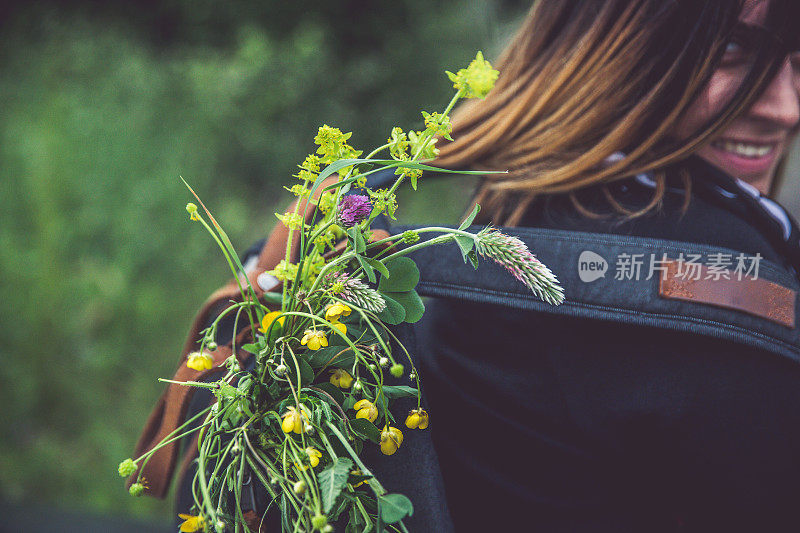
(584,79)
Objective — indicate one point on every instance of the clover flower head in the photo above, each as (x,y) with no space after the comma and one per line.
(294,420)
(515,257)
(341,378)
(391,439)
(366,409)
(269,318)
(337,287)
(337,310)
(200,361)
(417,419)
(352,209)
(127,467)
(191,523)
(354,291)
(476,80)
(314,339)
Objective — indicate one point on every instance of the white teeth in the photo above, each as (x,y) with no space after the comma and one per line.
(753,151)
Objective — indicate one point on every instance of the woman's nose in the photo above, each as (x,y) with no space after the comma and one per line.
(780,101)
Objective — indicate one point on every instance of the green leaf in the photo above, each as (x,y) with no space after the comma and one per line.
(395,507)
(465,244)
(403,275)
(366,429)
(306,372)
(468,221)
(473,258)
(399,391)
(377,265)
(252,348)
(332,480)
(368,270)
(412,304)
(394,313)
(349,402)
(334,355)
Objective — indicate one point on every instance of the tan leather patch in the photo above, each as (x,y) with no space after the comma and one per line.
(755,296)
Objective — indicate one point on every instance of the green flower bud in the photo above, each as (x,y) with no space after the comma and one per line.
(212,345)
(397,370)
(280,370)
(383,361)
(127,467)
(319,521)
(327,529)
(300,488)
(410,237)
(137,489)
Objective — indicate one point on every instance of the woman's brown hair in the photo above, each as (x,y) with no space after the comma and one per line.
(585,79)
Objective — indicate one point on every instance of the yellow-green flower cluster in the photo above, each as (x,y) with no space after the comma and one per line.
(438,124)
(476,80)
(309,168)
(284,271)
(333,145)
(384,201)
(291,220)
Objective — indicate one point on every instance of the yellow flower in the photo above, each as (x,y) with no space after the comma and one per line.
(341,378)
(341,328)
(366,409)
(314,456)
(334,311)
(192,523)
(269,318)
(417,419)
(314,339)
(391,439)
(293,420)
(199,361)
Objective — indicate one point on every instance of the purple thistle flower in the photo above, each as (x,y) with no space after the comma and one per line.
(353,209)
(515,257)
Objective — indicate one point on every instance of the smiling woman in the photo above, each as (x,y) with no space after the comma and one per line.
(642,136)
(751,146)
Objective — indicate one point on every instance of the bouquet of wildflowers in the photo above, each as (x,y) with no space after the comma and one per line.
(318,392)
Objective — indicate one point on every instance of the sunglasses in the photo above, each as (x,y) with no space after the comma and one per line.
(749,43)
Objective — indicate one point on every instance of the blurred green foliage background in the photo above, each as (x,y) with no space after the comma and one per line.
(102,107)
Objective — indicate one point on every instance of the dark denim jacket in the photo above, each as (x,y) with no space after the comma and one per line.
(619,410)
